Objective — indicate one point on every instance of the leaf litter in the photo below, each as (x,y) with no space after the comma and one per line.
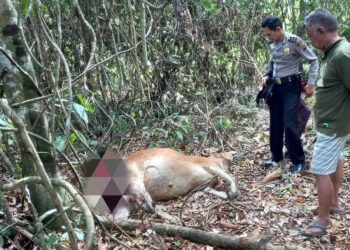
(274,203)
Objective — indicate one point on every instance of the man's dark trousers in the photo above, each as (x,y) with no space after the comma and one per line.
(283,120)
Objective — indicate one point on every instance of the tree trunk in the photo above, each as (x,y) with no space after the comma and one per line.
(144,57)
(20,85)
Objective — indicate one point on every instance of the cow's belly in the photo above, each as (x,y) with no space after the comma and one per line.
(165,183)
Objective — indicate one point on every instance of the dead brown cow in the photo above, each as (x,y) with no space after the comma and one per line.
(159,174)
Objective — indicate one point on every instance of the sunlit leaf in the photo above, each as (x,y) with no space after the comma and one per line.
(79,233)
(85,103)
(3,120)
(60,142)
(179,135)
(81,112)
(72,137)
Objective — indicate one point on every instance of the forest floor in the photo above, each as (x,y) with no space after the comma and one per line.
(277,210)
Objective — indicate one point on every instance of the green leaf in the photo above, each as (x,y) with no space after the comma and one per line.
(177,243)
(201,133)
(223,123)
(72,137)
(346,152)
(94,143)
(179,135)
(292,190)
(80,110)
(81,136)
(79,233)
(4,121)
(162,131)
(226,123)
(24,6)
(65,236)
(209,5)
(19,165)
(43,7)
(52,239)
(85,103)
(117,21)
(185,120)
(60,142)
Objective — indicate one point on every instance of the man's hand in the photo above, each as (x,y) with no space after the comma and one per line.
(264,80)
(302,44)
(309,90)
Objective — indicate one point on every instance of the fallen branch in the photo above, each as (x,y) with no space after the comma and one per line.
(200,236)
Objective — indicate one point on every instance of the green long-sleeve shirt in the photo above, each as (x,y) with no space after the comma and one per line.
(332,93)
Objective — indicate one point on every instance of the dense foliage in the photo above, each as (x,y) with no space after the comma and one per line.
(155,68)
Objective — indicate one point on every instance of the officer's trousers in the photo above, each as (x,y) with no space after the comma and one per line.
(283,121)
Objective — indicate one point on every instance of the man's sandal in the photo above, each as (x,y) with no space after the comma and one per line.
(323,230)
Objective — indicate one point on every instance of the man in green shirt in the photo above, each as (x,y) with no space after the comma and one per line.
(332,107)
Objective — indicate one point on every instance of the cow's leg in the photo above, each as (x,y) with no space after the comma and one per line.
(216,170)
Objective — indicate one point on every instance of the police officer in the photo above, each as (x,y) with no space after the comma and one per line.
(288,52)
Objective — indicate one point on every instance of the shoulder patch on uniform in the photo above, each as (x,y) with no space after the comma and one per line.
(293,39)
